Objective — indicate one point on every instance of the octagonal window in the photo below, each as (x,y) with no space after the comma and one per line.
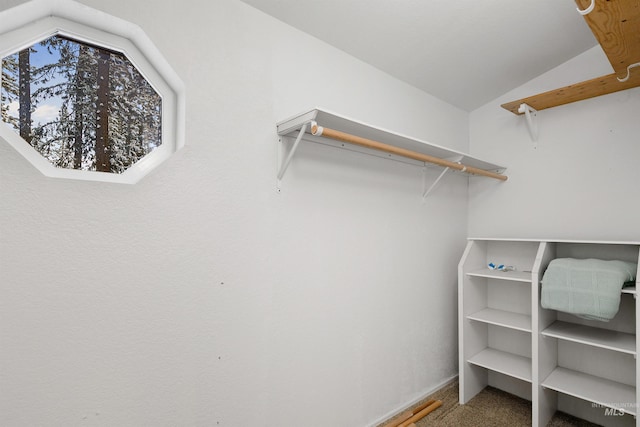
(86,95)
(80,106)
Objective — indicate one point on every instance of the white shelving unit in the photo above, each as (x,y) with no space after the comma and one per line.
(496,322)
(558,361)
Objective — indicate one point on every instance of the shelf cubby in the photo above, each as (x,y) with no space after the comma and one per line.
(506,319)
(513,365)
(596,337)
(598,390)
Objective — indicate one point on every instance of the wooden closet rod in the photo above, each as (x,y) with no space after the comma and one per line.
(369,143)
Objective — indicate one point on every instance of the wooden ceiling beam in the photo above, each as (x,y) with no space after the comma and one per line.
(616,26)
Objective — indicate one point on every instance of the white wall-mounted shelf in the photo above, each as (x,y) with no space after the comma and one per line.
(321,126)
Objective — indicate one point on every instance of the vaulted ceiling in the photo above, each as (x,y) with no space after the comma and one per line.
(464,52)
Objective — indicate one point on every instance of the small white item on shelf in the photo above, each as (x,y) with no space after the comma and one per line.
(501,267)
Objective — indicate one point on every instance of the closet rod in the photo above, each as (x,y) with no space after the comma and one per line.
(369,143)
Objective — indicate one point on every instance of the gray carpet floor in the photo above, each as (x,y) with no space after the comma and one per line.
(489,408)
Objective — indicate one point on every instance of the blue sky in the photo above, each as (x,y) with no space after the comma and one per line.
(49,110)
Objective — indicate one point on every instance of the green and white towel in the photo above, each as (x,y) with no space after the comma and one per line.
(589,288)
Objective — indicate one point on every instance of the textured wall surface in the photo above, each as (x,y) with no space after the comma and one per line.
(201,296)
(579,181)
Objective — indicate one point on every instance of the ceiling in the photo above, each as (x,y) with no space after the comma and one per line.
(465,52)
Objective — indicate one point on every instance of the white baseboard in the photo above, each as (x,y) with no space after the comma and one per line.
(407,405)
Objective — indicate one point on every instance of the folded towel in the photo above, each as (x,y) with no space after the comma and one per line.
(588,288)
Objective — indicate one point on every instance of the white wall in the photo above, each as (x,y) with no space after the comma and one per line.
(202,297)
(580,181)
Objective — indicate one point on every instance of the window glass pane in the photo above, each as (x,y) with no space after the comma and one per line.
(80,106)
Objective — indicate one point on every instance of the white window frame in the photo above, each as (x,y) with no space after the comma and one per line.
(37,20)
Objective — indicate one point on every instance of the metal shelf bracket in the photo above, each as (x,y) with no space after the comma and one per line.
(531,116)
(435,183)
(284,164)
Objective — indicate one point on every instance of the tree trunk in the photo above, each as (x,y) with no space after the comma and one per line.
(103,149)
(78,108)
(24,76)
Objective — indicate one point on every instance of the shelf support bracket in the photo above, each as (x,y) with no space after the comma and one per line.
(435,183)
(285,164)
(531,116)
